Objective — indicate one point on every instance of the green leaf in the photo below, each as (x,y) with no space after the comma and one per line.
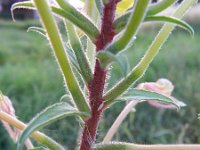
(59,51)
(159,6)
(106,58)
(73,59)
(26,5)
(139,70)
(123,63)
(39,148)
(136,19)
(77,18)
(47,116)
(81,57)
(174,20)
(70,53)
(121,22)
(99,5)
(39,30)
(143,95)
(68,12)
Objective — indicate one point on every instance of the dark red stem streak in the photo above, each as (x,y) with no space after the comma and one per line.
(96,86)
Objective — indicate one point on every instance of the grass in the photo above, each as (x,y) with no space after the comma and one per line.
(28,75)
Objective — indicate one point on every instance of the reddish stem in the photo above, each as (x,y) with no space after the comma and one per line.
(96,86)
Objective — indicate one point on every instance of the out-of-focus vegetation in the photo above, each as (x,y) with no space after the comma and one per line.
(28,75)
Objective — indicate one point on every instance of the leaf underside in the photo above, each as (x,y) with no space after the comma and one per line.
(143,95)
(47,116)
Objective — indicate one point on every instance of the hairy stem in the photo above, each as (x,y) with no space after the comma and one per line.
(96,86)
(129,146)
(167,147)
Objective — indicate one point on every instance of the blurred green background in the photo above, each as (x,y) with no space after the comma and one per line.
(29,76)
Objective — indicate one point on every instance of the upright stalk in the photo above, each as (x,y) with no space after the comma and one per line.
(96,86)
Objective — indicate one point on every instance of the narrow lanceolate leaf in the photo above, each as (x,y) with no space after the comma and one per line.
(151,52)
(39,30)
(70,13)
(26,4)
(38,148)
(73,59)
(106,58)
(99,5)
(120,23)
(131,29)
(77,18)
(49,115)
(77,47)
(174,20)
(56,42)
(160,6)
(143,95)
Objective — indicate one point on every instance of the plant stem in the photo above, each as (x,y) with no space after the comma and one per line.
(129,146)
(132,27)
(152,51)
(60,53)
(96,86)
(168,147)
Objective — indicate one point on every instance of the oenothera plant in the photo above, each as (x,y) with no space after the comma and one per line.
(108,33)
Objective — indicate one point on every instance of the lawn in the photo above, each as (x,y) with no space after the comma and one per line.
(28,75)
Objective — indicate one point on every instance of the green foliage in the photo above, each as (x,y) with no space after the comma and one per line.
(38,148)
(173,62)
(176,21)
(85,69)
(142,95)
(38,30)
(133,25)
(47,116)
(88,97)
(67,12)
(22,75)
(61,56)
(158,7)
